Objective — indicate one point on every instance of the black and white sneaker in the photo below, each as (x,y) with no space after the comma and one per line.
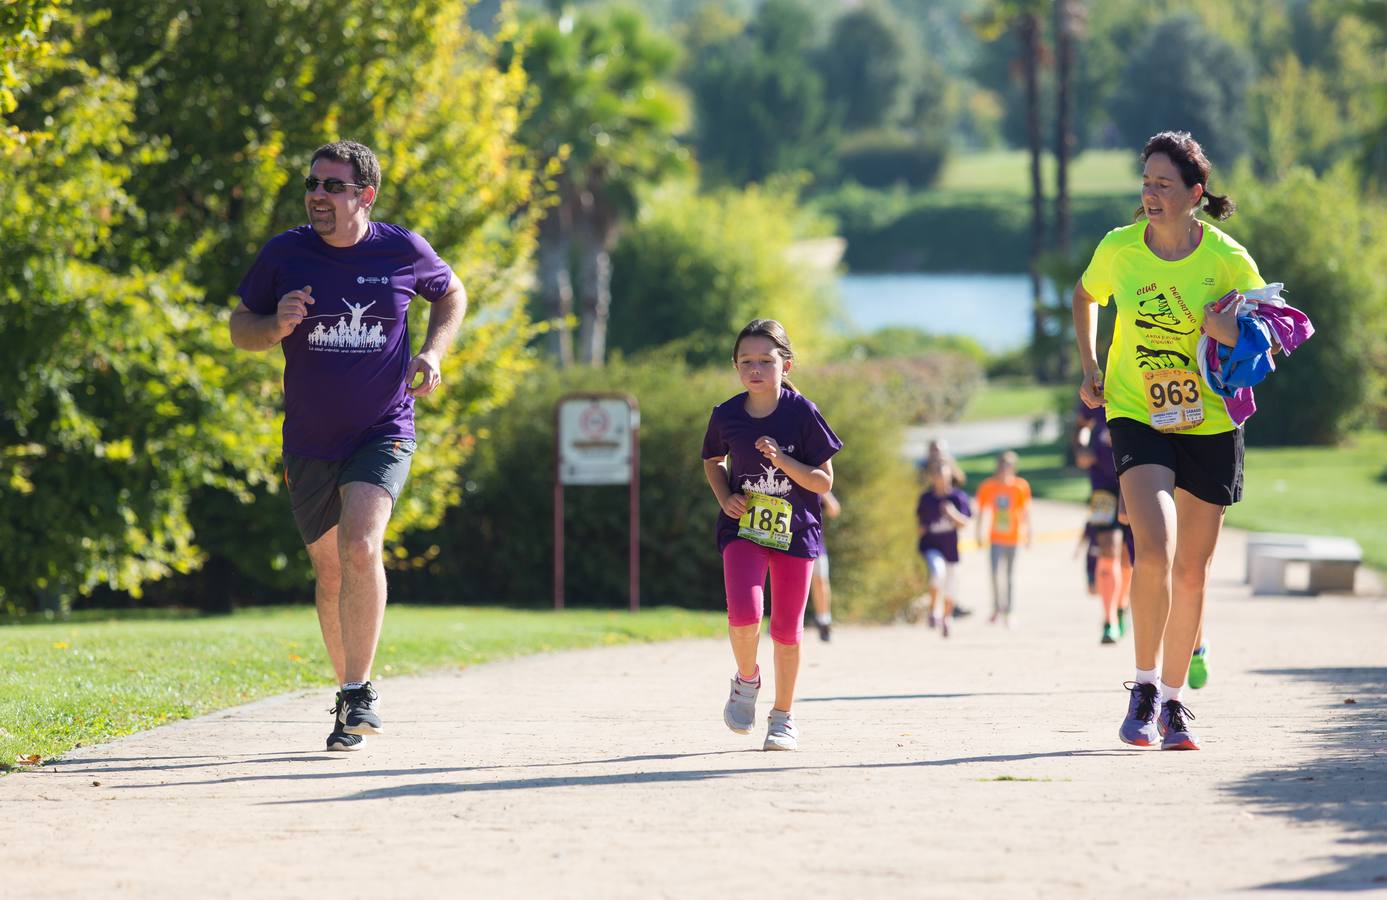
(339,739)
(360,711)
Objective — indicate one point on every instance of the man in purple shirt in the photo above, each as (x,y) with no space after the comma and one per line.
(334,295)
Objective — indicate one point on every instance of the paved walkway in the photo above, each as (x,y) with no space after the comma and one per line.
(968,438)
(986,765)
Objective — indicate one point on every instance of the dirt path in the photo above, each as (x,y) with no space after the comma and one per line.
(986,765)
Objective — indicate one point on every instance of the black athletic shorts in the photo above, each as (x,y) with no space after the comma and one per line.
(314,484)
(1209,466)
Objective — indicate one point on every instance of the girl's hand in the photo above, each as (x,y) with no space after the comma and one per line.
(769,449)
(734,507)
(1091,390)
(1222,325)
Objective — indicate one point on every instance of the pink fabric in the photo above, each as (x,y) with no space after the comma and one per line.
(1290,326)
(1242,404)
(744,567)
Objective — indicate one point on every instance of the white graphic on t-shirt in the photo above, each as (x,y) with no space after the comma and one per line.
(349,337)
(767,484)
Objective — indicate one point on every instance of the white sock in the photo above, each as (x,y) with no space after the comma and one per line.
(1145,676)
(353,685)
(1169,693)
(754,679)
(824,618)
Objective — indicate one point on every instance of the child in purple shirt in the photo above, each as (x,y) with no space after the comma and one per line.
(941,511)
(767,456)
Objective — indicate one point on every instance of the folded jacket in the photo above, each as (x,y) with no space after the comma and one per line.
(1265,323)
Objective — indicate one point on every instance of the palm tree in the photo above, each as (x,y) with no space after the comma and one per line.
(604,119)
(1069,19)
(1023,19)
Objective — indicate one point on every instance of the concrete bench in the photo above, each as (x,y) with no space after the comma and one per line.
(1259,542)
(1333,562)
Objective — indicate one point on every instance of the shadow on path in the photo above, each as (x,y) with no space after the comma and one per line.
(865,697)
(519,784)
(1346,785)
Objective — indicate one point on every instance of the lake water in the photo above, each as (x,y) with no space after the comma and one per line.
(994,310)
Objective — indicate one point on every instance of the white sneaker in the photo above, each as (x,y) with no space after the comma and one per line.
(740,711)
(781,733)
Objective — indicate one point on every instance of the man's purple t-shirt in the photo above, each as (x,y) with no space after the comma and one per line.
(940,531)
(799,428)
(344,365)
(1102,475)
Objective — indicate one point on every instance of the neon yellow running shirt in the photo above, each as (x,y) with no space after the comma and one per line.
(1152,371)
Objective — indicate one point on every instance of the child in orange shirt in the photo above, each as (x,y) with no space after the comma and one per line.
(1005,498)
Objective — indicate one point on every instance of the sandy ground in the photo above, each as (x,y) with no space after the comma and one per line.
(985,765)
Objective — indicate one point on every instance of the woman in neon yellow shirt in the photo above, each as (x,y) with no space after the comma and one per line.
(1179,457)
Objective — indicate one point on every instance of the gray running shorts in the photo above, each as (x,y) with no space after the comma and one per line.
(315,484)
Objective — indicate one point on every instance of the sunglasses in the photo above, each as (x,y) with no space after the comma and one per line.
(331,185)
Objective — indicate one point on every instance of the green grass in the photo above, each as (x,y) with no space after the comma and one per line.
(69,684)
(1010,400)
(1310,490)
(1040,464)
(1320,490)
(1095,173)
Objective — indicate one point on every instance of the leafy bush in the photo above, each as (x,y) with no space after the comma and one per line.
(497,542)
(931,388)
(1333,383)
(880,159)
(696,268)
(905,342)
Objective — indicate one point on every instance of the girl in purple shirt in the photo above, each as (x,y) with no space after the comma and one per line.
(941,511)
(767,456)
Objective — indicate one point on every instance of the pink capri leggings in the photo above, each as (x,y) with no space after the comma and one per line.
(744,566)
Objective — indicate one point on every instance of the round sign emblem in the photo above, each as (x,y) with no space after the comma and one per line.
(594,422)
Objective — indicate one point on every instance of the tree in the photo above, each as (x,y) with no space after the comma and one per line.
(864,67)
(1204,94)
(1023,18)
(760,102)
(1069,15)
(605,120)
(1334,383)
(695,268)
(212,147)
(119,399)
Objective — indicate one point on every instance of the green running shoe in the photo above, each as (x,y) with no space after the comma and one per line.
(1122,625)
(1199,668)
(1110,633)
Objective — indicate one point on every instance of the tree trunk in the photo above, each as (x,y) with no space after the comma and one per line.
(1029,26)
(555,284)
(595,230)
(1068,15)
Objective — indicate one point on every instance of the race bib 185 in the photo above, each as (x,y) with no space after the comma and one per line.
(766,521)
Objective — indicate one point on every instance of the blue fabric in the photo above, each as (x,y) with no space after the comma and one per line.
(1246,363)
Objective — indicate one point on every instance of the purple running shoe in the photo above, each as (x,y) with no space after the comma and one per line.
(1139,728)
(1175,734)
